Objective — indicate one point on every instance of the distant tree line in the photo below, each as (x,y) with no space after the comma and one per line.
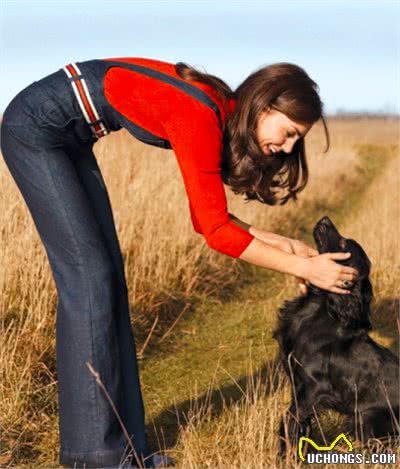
(358,114)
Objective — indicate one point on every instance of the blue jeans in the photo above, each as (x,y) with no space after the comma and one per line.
(47,147)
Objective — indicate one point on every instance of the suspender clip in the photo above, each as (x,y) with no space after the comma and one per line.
(81,91)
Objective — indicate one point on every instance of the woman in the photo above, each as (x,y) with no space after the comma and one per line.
(251,139)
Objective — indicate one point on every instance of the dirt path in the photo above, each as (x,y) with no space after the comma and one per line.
(207,357)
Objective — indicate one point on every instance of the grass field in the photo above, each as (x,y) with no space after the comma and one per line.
(202,321)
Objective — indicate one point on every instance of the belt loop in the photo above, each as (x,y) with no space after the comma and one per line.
(85,101)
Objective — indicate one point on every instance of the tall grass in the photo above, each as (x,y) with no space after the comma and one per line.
(167,264)
(164,257)
(245,434)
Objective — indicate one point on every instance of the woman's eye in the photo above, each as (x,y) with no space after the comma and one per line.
(289,135)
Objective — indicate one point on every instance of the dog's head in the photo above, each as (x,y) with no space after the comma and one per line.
(353,310)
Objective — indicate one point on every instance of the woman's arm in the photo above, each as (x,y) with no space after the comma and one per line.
(197,144)
(265,255)
(282,242)
(266,236)
(265,250)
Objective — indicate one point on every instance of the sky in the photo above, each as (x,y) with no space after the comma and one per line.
(351,48)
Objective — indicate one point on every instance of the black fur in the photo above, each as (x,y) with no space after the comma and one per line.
(329,358)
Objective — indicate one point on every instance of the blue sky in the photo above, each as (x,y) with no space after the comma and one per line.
(351,48)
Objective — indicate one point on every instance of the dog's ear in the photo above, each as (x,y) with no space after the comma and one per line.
(366,293)
(352,311)
(366,296)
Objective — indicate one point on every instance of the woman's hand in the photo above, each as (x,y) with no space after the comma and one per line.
(318,269)
(294,246)
(322,271)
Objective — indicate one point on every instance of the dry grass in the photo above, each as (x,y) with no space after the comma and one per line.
(377,228)
(246,434)
(164,268)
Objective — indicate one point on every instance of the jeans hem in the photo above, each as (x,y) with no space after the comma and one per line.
(94,459)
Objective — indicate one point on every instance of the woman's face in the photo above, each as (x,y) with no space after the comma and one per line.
(276,132)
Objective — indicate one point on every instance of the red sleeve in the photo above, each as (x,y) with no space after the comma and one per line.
(197,142)
(195,221)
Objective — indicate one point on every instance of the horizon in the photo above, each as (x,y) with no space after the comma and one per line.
(350,48)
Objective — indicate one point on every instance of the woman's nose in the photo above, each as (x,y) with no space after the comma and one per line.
(288,146)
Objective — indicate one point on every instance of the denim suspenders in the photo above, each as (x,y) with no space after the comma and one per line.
(88,102)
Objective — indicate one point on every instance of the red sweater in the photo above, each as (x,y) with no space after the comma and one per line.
(193,130)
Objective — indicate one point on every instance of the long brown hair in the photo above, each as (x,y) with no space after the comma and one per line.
(284,87)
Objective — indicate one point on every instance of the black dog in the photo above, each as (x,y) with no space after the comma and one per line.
(329,358)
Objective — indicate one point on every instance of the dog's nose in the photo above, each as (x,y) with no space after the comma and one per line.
(326,221)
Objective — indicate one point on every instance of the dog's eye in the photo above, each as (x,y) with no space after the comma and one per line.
(342,243)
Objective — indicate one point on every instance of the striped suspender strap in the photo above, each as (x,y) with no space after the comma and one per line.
(182,85)
(85,101)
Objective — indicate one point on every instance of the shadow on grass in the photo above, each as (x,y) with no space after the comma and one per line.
(163,431)
(384,317)
(151,325)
